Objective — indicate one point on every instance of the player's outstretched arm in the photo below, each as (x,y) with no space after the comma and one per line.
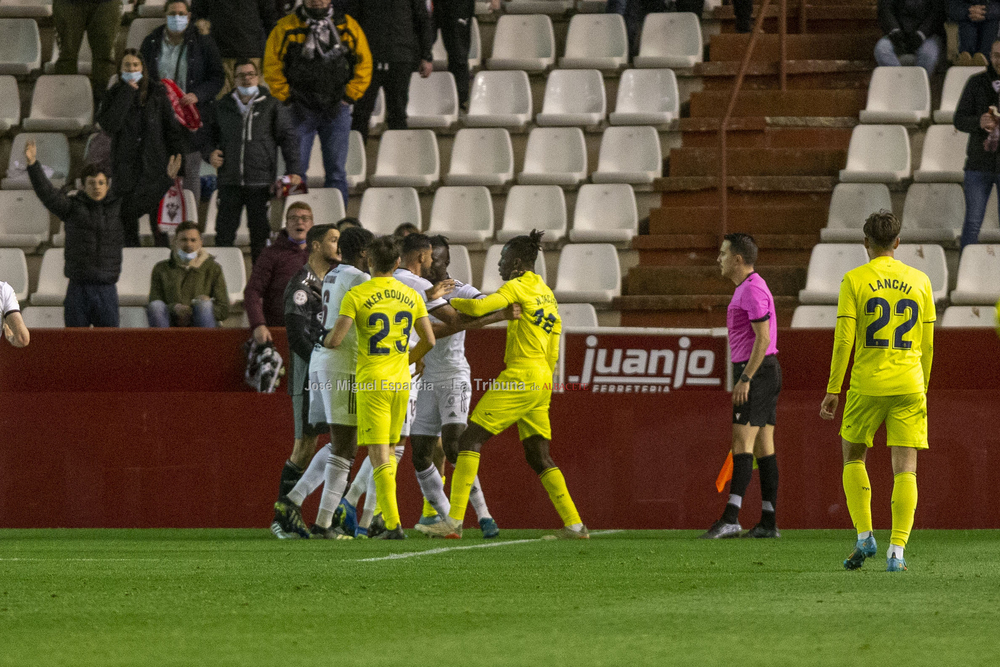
(927,352)
(479,307)
(15,331)
(339,332)
(427,339)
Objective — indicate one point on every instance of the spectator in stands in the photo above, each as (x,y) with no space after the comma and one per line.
(400,37)
(454,19)
(241,31)
(242,142)
(912,28)
(189,289)
(978,24)
(93,240)
(975,115)
(100,20)
(344,223)
(634,12)
(179,52)
(263,297)
(317,60)
(405,230)
(144,133)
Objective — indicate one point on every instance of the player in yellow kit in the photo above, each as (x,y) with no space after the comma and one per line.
(523,391)
(384,310)
(886,313)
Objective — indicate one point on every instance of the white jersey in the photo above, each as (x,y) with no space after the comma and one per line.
(420,286)
(446,360)
(344,359)
(8,300)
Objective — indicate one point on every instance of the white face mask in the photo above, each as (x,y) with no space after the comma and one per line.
(177,23)
(131,76)
(186,256)
(248,91)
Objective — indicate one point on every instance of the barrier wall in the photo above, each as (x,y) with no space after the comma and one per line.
(143,428)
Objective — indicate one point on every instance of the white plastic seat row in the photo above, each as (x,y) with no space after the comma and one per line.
(942,159)
(84,59)
(20,45)
(61,103)
(26,8)
(10,103)
(440,54)
(969,317)
(14,271)
(898,95)
(24,220)
(53,152)
(877,154)
(587,273)
(670,39)
(978,281)
(356,165)
(830,261)
(51,317)
(954,84)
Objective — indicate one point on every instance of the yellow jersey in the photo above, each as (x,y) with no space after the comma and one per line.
(384,311)
(886,313)
(532,340)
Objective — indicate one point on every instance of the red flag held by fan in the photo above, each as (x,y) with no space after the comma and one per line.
(188,115)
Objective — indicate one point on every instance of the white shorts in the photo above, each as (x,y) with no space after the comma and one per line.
(411,410)
(448,403)
(331,401)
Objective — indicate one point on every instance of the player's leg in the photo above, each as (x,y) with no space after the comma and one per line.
(743,438)
(437,457)
(338,467)
(451,435)
(906,434)
(428,474)
(767,469)
(536,452)
(395,406)
(863,415)
(287,521)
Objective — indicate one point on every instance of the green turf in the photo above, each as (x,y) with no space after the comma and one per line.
(240,597)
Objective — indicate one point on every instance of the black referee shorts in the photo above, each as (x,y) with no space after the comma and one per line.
(761,408)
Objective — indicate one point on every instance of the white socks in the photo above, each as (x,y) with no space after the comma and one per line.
(864,535)
(360,482)
(895,551)
(312,477)
(477,500)
(432,487)
(337,469)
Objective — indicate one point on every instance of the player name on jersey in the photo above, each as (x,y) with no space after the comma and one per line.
(390,294)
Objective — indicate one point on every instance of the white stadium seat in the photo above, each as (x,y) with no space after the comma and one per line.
(969,316)
(554,155)
(523,42)
(440,54)
(26,8)
(538,6)
(327,205)
(605,213)
(500,99)
(629,154)
(384,209)
(10,103)
(646,97)
(930,260)
(877,154)
(132,317)
(84,59)
(990,231)
(61,103)
(357,160)
(145,229)
(152,8)
(407,158)
(462,213)
(460,267)
(24,220)
(20,47)
(481,156)
(491,269)
(573,97)
(942,159)
(14,271)
(139,28)
(670,39)
(954,84)
(827,266)
(234,270)
(53,152)
(596,41)
(897,95)
(433,101)
(378,113)
(588,272)
(933,212)
(577,315)
(43,317)
(978,276)
(208,236)
(814,317)
(528,207)
(850,206)
(52,282)
(137,273)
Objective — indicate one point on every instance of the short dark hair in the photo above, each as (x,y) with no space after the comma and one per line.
(186,225)
(174,2)
(317,233)
(440,241)
(405,229)
(349,222)
(881,228)
(414,243)
(353,240)
(92,170)
(526,247)
(240,62)
(743,245)
(383,253)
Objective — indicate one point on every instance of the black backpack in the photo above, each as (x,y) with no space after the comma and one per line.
(317,83)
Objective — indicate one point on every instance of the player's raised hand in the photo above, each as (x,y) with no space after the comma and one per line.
(828,408)
(30,151)
(446,286)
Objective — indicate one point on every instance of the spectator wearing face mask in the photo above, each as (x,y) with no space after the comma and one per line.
(242,142)
(179,52)
(240,30)
(189,289)
(144,133)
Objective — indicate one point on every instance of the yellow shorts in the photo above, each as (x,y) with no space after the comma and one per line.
(516,397)
(905,418)
(380,416)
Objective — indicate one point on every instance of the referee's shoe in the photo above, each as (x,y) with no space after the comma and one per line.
(721,530)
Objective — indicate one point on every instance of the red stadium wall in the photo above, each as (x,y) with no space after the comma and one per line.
(138,428)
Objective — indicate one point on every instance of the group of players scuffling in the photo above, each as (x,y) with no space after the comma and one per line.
(380,339)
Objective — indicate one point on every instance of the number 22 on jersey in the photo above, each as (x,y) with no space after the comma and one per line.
(907,309)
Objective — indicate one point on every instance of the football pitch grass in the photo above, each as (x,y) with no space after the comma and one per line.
(241,597)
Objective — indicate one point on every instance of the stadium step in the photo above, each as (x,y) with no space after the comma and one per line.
(759,161)
(705,310)
(853,46)
(834,16)
(806,218)
(836,134)
(702,280)
(801,74)
(710,184)
(702,249)
(798,103)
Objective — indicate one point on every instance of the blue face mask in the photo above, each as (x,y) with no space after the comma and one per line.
(177,23)
(187,256)
(131,76)
(248,91)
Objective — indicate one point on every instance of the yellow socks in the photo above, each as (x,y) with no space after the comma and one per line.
(555,484)
(385,490)
(858,490)
(466,469)
(904,504)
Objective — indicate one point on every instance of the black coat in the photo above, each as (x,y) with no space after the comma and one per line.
(977,98)
(143,137)
(926,16)
(398,31)
(250,151)
(94,236)
(240,28)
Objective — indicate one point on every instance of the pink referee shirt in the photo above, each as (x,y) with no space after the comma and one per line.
(752,302)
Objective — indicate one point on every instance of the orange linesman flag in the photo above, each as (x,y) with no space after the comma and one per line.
(725,474)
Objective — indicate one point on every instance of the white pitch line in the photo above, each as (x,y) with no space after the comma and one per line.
(484,545)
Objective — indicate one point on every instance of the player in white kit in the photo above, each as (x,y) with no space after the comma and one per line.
(13,325)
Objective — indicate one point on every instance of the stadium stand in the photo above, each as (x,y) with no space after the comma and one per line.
(61,103)
(464,214)
(20,46)
(208,235)
(357,161)
(136,276)
(433,101)
(152,8)
(596,41)
(897,95)
(978,281)
(145,228)
(24,220)
(234,270)
(327,204)
(929,259)
(577,315)
(460,267)
(933,213)
(556,156)
(530,207)
(646,97)
(969,317)
(139,28)
(573,97)
(877,154)
(52,283)
(670,40)
(440,55)
(53,152)
(538,6)
(481,156)
(378,113)
(990,231)
(523,42)
(850,204)
(629,154)
(407,158)
(26,8)
(942,158)
(827,266)
(814,317)
(10,103)
(588,272)
(604,213)
(500,99)
(43,317)
(954,83)
(384,209)
(132,317)
(84,59)
(491,281)
(14,269)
